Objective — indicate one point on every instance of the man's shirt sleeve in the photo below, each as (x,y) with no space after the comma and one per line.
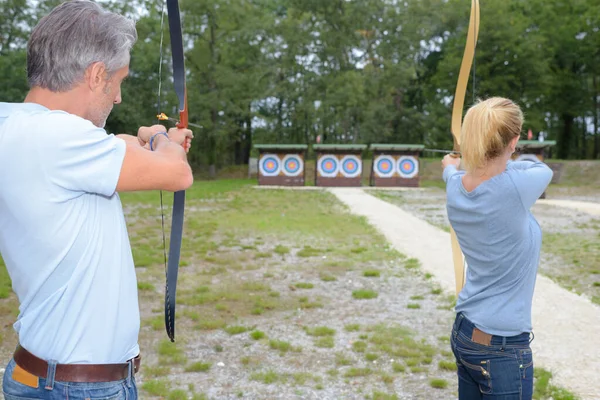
(81,157)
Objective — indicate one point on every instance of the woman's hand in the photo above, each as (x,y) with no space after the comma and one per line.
(451,159)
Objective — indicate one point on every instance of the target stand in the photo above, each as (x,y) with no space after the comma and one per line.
(395,165)
(532,151)
(339,164)
(281,164)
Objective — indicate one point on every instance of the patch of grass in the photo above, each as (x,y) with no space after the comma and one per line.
(418,297)
(169,353)
(398,342)
(304,285)
(325,277)
(359,346)
(257,335)
(371,273)
(156,371)
(352,327)
(308,251)
(356,372)
(413,306)
(282,346)
(342,360)
(412,263)
(320,331)
(447,365)
(371,357)
(198,367)
(438,383)
(236,329)
(383,396)
(268,377)
(156,387)
(364,294)
(397,367)
(145,286)
(544,389)
(178,394)
(325,342)
(281,250)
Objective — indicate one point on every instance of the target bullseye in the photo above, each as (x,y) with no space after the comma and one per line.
(270,165)
(351,166)
(408,167)
(384,166)
(292,165)
(328,166)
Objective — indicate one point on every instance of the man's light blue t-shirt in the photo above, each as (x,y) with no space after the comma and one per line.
(63,237)
(501,241)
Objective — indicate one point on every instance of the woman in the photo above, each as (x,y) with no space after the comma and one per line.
(489,208)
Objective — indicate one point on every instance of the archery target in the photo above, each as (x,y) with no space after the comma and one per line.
(384,166)
(292,165)
(528,157)
(328,166)
(351,166)
(408,167)
(270,165)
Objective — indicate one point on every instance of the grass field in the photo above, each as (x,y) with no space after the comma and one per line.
(283,293)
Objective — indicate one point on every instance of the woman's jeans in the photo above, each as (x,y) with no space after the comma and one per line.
(49,389)
(500,370)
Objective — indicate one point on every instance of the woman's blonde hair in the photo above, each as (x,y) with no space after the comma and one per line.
(487,130)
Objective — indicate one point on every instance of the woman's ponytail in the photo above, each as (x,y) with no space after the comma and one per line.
(487,130)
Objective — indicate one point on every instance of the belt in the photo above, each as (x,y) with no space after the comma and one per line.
(75,372)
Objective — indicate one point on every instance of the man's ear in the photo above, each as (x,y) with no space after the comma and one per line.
(96,76)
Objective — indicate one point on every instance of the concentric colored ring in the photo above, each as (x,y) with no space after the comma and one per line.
(270,165)
(351,166)
(293,165)
(408,167)
(328,166)
(384,166)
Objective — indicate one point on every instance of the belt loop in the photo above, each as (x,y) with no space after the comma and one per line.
(503,343)
(50,375)
(130,368)
(461,318)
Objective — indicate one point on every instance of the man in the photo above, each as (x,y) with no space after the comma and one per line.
(62,231)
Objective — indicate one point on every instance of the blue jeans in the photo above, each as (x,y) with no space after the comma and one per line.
(49,389)
(502,370)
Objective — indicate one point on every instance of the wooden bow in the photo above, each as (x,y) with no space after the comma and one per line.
(457,116)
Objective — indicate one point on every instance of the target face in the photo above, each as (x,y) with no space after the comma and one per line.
(384,166)
(408,167)
(270,165)
(329,166)
(292,165)
(528,157)
(351,166)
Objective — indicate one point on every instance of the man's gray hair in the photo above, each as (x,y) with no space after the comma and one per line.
(73,36)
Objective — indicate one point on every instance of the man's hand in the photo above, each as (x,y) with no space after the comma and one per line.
(450,159)
(146,132)
(181,136)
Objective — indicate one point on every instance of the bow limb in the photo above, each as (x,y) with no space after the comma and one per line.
(179,197)
(457,111)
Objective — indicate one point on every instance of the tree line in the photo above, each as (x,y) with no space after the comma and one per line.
(360,71)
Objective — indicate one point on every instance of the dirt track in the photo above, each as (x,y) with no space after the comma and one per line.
(565,324)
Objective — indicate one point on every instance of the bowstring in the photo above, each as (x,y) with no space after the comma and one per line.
(158,112)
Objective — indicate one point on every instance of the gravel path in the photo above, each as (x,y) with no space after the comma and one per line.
(585,206)
(565,324)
